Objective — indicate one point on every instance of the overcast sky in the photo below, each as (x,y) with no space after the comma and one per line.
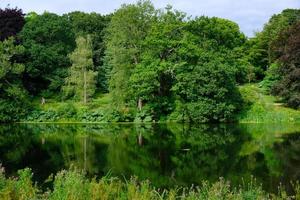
(251,15)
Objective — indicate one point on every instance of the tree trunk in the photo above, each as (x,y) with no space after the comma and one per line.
(85,155)
(84,88)
(140,104)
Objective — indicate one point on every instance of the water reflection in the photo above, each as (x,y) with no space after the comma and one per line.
(166,154)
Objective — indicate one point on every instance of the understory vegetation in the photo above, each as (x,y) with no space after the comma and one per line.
(148,64)
(73,185)
(258,107)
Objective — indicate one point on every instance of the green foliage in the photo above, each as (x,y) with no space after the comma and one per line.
(125,34)
(24,188)
(48,39)
(261,108)
(70,185)
(42,116)
(260,52)
(208,91)
(174,67)
(81,81)
(287,50)
(271,78)
(93,24)
(67,111)
(13,97)
(85,115)
(168,65)
(73,185)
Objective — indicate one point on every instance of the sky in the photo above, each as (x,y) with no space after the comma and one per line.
(251,15)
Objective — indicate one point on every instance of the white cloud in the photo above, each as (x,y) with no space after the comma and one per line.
(249,14)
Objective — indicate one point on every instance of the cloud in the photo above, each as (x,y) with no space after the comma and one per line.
(251,15)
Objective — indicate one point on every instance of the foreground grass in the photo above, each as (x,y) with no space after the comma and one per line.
(73,185)
(262,108)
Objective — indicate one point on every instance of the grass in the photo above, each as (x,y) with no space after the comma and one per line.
(262,108)
(73,185)
(99,101)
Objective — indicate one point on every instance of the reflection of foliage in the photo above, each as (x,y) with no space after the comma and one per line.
(184,156)
(165,154)
(288,152)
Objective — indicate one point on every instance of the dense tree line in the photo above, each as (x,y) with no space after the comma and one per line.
(279,42)
(157,64)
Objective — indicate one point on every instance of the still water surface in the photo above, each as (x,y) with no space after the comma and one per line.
(165,154)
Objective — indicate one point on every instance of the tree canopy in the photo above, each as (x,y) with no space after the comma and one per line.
(13,99)
(148,64)
(287,52)
(48,39)
(11,22)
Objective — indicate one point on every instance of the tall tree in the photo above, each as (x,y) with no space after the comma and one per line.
(12,95)
(125,34)
(48,39)
(151,81)
(261,50)
(11,22)
(93,24)
(81,81)
(185,66)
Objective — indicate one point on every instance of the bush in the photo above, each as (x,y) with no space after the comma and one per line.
(70,185)
(67,111)
(42,116)
(85,115)
(272,76)
(145,115)
(122,115)
(11,111)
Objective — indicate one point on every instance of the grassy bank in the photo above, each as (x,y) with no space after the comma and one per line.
(261,108)
(73,185)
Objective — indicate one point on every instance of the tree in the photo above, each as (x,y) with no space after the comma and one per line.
(208,92)
(11,22)
(93,24)
(261,49)
(188,62)
(151,80)
(125,34)
(48,39)
(13,101)
(81,80)
(287,51)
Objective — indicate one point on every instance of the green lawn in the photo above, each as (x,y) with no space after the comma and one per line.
(262,108)
(100,101)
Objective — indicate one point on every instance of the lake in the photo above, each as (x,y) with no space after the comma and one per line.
(166,154)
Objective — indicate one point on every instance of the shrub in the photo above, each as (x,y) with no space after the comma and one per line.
(42,116)
(67,111)
(73,185)
(85,115)
(69,185)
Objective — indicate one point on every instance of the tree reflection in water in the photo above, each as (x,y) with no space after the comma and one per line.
(165,154)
